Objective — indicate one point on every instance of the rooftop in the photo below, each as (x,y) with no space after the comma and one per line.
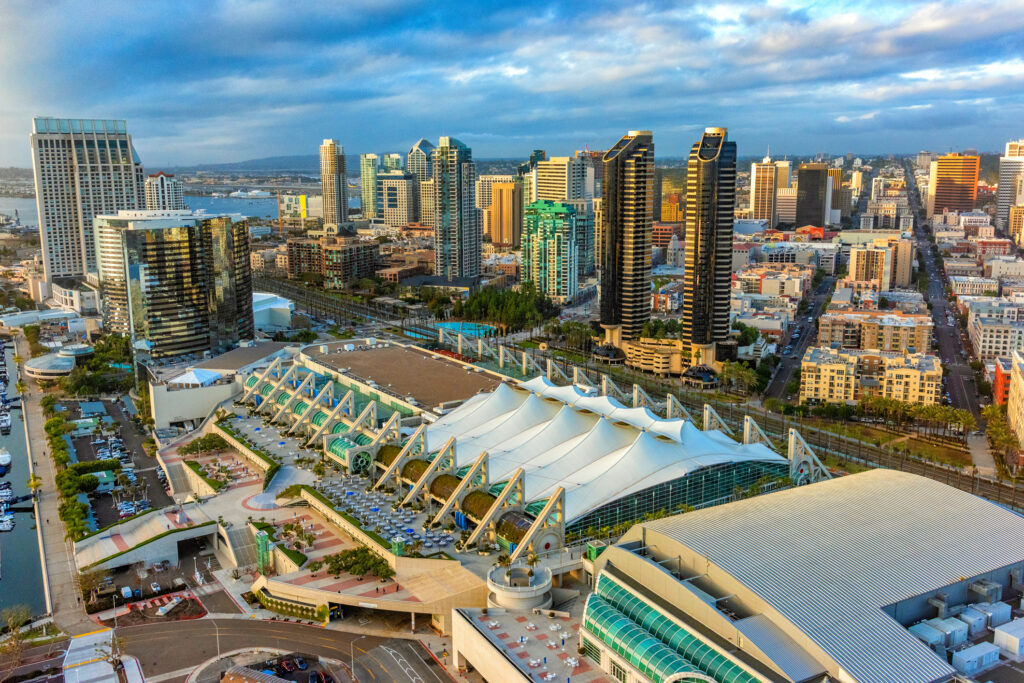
(840,547)
(236,359)
(429,378)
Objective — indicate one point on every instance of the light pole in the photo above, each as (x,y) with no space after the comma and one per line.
(352,654)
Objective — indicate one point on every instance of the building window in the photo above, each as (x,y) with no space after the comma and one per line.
(615,670)
(590,650)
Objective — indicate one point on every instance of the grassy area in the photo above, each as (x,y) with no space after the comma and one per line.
(215,484)
(866,434)
(943,454)
(835,462)
(293,555)
(269,528)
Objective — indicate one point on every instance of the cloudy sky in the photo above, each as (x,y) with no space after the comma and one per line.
(226,80)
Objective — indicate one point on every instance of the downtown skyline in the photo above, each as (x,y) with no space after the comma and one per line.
(232,81)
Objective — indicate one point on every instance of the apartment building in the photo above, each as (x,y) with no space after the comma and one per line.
(878,330)
(963,285)
(844,376)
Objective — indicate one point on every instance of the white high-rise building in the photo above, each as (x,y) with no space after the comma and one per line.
(1011,168)
(397,197)
(559,179)
(483,188)
(164,192)
(334,181)
(83,168)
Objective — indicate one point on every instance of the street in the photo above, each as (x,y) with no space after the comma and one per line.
(790,362)
(963,393)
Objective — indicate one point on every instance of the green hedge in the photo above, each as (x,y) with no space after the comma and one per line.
(214,484)
(291,609)
(294,555)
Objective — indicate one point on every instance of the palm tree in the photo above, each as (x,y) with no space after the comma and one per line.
(504,560)
(532,560)
(34,483)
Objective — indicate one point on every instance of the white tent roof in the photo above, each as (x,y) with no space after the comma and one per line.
(196,377)
(593,446)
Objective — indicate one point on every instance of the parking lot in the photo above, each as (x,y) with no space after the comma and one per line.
(193,556)
(141,484)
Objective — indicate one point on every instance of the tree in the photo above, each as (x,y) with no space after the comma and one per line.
(14,646)
(34,483)
(532,560)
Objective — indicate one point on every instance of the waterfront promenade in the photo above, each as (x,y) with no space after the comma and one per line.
(60,575)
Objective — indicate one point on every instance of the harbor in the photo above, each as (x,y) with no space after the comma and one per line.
(21,581)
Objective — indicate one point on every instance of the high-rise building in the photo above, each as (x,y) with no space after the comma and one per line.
(483,188)
(421,164)
(1011,170)
(585,233)
(550,251)
(857,183)
(178,283)
(813,195)
(505,213)
(710,204)
(924,159)
(953,183)
(763,189)
(785,204)
(457,234)
(368,182)
(563,178)
(397,197)
(1015,224)
(164,193)
(627,214)
(82,168)
(334,182)
(783,176)
(835,175)
(392,162)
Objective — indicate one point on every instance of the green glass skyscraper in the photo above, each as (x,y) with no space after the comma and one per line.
(550,249)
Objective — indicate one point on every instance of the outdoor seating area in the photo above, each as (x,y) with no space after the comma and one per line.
(374,511)
(275,441)
(546,646)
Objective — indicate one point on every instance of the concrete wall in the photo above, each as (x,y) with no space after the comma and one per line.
(469,646)
(258,462)
(196,483)
(165,548)
(170,404)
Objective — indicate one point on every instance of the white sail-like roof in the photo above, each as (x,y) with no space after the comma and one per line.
(593,446)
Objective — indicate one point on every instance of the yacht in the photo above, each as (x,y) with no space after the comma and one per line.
(5,457)
(7,522)
(5,424)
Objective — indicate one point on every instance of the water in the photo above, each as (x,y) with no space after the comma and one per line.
(21,579)
(262,207)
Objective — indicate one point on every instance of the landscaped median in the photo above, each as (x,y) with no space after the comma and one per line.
(259,457)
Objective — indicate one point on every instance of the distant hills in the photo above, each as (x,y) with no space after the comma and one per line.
(296,163)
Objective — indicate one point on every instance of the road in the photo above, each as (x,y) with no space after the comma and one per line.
(790,362)
(178,647)
(960,385)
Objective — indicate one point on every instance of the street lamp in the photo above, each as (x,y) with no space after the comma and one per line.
(352,654)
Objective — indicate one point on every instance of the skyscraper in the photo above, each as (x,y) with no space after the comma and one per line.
(397,197)
(505,213)
(1011,168)
(953,183)
(783,176)
(710,206)
(334,182)
(368,183)
(82,168)
(164,193)
(420,163)
(763,188)
(392,162)
(457,234)
(813,195)
(835,176)
(563,178)
(176,282)
(550,251)
(627,206)
(484,184)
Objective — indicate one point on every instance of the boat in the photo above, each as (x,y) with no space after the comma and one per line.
(6,495)
(5,423)
(5,458)
(7,523)
(5,485)
(218,195)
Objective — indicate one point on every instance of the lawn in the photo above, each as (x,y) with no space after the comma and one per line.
(944,454)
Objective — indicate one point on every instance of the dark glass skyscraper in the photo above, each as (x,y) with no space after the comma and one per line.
(625,235)
(813,195)
(177,283)
(710,203)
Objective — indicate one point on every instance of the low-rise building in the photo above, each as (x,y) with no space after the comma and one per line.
(962,266)
(992,337)
(844,376)
(880,330)
(1001,377)
(999,267)
(973,286)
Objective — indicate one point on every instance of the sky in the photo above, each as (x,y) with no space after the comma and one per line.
(226,80)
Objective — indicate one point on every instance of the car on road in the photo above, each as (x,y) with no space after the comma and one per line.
(155,587)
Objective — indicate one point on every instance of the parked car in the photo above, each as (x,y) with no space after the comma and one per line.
(301,663)
(155,587)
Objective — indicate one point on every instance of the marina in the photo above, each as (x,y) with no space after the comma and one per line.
(21,581)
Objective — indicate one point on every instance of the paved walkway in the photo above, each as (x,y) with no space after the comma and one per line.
(58,554)
(981,456)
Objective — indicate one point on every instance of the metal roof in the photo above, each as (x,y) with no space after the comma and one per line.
(829,556)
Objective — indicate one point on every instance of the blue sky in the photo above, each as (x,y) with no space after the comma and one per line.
(225,80)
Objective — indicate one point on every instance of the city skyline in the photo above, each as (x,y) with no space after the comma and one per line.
(879,77)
